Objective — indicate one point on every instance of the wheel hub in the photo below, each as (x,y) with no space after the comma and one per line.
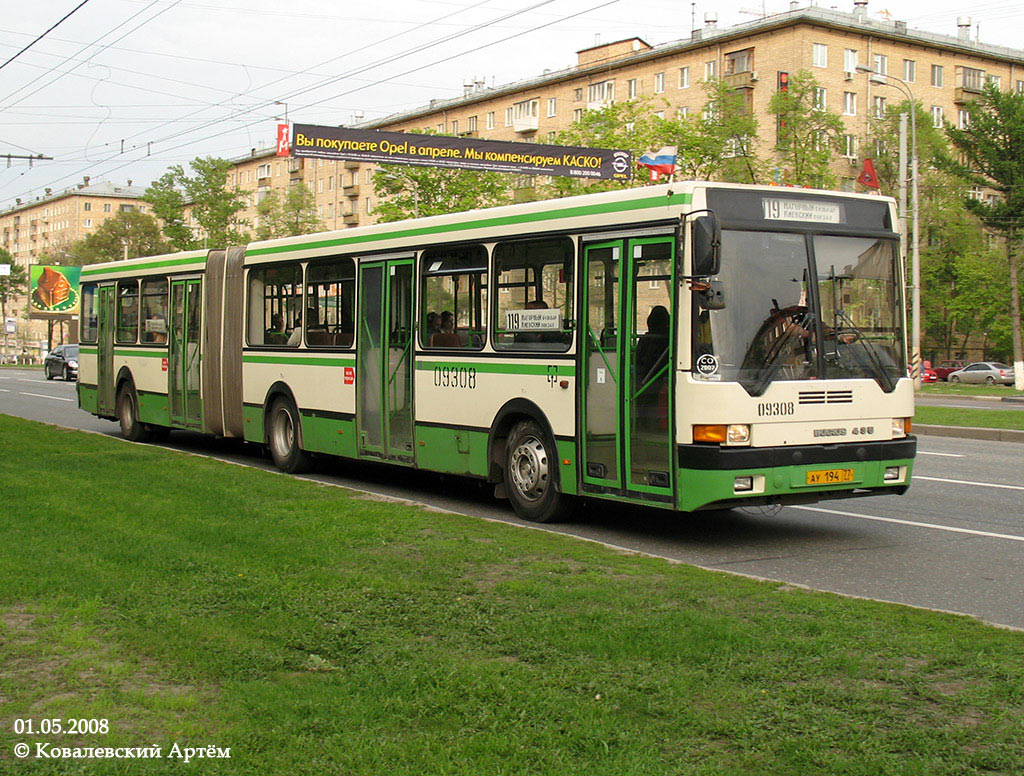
(529,468)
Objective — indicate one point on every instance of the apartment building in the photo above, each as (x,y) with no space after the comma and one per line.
(943,72)
(47,226)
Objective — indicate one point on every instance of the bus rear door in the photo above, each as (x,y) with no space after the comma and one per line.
(105,399)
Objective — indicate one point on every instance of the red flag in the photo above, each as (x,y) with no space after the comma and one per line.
(283,146)
(868,176)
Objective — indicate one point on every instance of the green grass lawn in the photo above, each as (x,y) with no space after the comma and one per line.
(981,418)
(962,389)
(313,631)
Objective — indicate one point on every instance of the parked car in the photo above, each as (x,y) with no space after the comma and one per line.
(946,368)
(929,375)
(990,372)
(62,361)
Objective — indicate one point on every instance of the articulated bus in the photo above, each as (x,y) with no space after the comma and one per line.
(684,346)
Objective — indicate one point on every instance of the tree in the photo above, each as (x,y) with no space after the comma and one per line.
(989,151)
(809,134)
(215,205)
(291,214)
(11,287)
(139,232)
(722,143)
(406,191)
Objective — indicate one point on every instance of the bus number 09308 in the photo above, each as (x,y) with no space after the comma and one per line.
(455,377)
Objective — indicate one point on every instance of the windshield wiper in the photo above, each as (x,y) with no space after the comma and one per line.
(773,363)
(869,348)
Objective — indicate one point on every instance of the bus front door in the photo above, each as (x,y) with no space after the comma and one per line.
(628,359)
(184,354)
(384,369)
(105,398)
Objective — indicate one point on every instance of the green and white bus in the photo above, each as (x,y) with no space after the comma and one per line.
(684,346)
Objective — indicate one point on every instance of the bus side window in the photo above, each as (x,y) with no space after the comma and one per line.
(90,327)
(534,305)
(330,303)
(275,305)
(154,310)
(454,298)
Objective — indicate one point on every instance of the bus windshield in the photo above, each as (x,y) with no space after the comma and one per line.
(803,308)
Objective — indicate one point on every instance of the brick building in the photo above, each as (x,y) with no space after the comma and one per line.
(942,71)
(48,225)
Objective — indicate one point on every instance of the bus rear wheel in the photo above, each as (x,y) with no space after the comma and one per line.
(283,436)
(132,428)
(530,468)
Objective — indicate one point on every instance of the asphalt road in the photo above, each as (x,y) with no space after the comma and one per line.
(954,542)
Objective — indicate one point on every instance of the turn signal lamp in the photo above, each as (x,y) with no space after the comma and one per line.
(709,434)
(733,434)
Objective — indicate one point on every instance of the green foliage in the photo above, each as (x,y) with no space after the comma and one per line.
(288,215)
(406,191)
(215,206)
(723,143)
(809,136)
(140,231)
(11,286)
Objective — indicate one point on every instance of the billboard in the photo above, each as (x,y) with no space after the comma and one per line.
(463,153)
(53,291)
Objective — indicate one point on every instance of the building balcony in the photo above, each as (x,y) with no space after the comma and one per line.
(599,104)
(350,165)
(964,94)
(350,219)
(351,190)
(525,124)
(742,80)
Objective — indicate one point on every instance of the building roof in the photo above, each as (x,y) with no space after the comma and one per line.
(852,22)
(101,189)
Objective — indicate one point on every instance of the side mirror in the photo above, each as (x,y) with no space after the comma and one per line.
(706,236)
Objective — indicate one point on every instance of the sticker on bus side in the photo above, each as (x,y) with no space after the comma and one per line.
(350,375)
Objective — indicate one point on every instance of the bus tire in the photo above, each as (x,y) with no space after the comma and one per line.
(530,470)
(283,438)
(132,429)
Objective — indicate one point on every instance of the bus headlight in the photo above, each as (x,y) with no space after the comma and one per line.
(737,434)
(900,427)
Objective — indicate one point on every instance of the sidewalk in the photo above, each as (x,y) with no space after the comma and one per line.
(970,432)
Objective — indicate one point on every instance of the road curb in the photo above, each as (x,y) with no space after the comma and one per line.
(971,432)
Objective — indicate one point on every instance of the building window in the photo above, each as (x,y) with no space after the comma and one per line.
(739,61)
(526,109)
(552,106)
(263,170)
(683,112)
(909,70)
(963,119)
(508,117)
(659,114)
(850,146)
(126,208)
(472,123)
(631,84)
(684,77)
(879,105)
(819,57)
(87,223)
(88,205)
(937,116)
(490,120)
(971,78)
(711,70)
(320,186)
(106,207)
(819,98)
(881,65)
(577,114)
(850,60)
(601,92)
(659,83)
(849,103)
(994,80)
(455,127)
(369,206)
(936,75)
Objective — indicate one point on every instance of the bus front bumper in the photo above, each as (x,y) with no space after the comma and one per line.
(716,477)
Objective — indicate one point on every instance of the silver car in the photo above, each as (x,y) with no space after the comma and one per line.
(990,372)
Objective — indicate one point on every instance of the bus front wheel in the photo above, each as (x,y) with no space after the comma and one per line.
(530,467)
(283,436)
(132,428)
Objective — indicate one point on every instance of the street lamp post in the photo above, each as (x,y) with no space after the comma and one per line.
(915,270)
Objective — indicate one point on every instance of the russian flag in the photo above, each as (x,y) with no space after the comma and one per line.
(663,162)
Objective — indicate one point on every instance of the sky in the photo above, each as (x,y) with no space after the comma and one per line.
(122,89)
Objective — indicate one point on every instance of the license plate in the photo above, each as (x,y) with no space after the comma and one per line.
(829,476)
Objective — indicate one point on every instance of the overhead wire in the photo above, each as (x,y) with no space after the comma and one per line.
(44,34)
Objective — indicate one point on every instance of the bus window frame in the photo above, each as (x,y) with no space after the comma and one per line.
(301,265)
(92,288)
(353,260)
(166,309)
(118,307)
(485,309)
